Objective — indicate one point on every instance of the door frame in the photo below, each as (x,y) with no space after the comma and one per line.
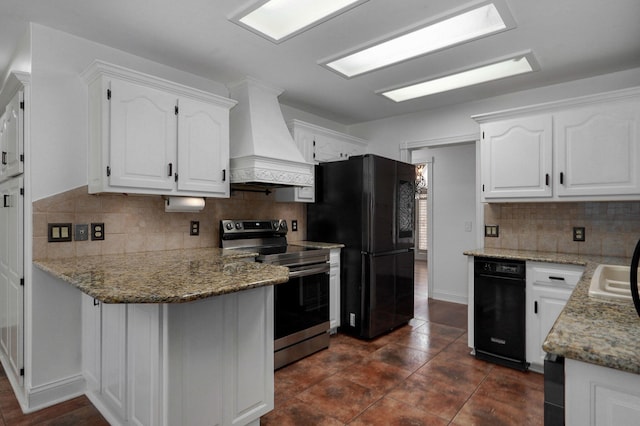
(406,153)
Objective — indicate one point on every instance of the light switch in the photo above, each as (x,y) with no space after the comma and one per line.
(59,232)
(491,231)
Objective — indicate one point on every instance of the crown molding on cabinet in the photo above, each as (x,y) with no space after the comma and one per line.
(557,105)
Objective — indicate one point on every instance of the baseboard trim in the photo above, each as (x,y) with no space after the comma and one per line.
(446,297)
(39,397)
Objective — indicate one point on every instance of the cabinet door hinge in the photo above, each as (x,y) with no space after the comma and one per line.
(108,171)
(22,371)
(22,191)
(176,109)
(176,177)
(21,104)
(22,282)
(108,93)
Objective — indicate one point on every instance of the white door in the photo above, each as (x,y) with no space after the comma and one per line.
(203,147)
(91,342)
(114,366)
(517,158)
(597,150)
(143,364)
(547,304)
(143,137)
(12,273)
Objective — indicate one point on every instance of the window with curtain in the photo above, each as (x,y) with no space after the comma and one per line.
(422,220)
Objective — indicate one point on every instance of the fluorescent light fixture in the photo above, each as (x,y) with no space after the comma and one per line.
(278,20)
(183,204)
(471,24)
(516,65)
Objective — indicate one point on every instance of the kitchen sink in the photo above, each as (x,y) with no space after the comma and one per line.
(611,282)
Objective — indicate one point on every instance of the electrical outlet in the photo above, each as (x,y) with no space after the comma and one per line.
(294,225)
(97,231)
(195,228)
(59,232)
(578,233)
(352,319)
(82,232)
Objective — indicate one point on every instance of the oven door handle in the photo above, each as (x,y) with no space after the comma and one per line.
(303,271)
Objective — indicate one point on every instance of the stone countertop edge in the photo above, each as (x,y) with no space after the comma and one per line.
(171,276)
(596,331)
(316,244)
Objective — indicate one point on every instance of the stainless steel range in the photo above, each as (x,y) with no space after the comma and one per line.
(302,304)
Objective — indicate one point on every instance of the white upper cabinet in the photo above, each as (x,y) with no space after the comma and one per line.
(12,137)
(151,136)
(318,144)
(518,155)
(142,128)
(597,149)
(584,149)
(203,149)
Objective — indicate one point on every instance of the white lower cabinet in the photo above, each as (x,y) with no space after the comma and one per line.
(600,396)
(549,286)
(334,289)
(204,362)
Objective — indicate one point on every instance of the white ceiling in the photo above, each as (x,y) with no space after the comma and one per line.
(570,39)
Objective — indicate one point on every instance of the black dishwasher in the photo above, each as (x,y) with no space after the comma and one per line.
(499,311)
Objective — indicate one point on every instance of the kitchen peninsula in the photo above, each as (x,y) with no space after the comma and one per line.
(176,337)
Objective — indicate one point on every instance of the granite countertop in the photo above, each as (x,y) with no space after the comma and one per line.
(315,244)
(171,276)
(596,331)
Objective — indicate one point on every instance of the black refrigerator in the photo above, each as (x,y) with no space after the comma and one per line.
(367,203)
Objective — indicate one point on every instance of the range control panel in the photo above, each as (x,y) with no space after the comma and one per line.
(230,228)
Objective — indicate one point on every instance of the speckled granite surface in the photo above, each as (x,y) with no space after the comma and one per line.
(171,276)
(315,244)
(591,330)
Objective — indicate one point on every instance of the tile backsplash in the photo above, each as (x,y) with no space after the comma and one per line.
(139,223)
(611,228)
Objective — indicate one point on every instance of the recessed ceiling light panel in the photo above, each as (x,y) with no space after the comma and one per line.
(471,23)
(278,20)
(515,65)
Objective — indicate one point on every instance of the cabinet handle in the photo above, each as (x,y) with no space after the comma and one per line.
(535,307)
(6,197)
(4,158)
(546,179)
(561,178)
(556,278)
(170,169)
(96,302)
(224,175)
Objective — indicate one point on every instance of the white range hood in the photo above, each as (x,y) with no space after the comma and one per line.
(261,150)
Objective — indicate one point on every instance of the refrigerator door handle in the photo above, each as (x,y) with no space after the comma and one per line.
(634,277)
